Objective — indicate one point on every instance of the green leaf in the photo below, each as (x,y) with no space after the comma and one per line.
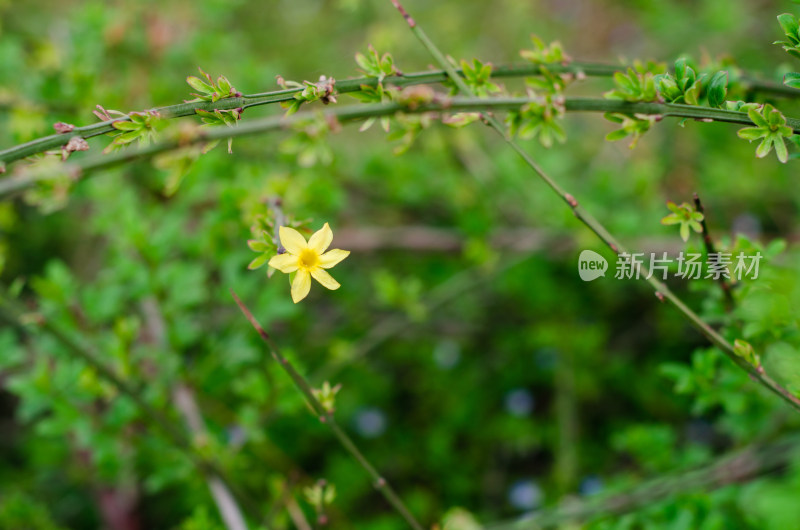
(671,219)
(128,137)
(362,61)
(764,147)
(792,79)
(224,85)
(718,89)
(257,246)
(751,133)
(780,150)
(685,232)
(680,68)
(197,84)
(126,126)
(258,262)
(789,24)
(757,118)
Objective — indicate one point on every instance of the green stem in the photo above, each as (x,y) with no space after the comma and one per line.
(26,177)
(661,290)
(325,416)
(710,250)
(56,141)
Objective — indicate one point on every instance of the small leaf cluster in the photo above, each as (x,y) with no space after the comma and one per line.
(409,126)
(686,216)
(208,90)
(319,496)
(326,395)
(549,82)
(631,125)
(542,119)
(542,53)
(217,118)
(375,94)
(687,87)
(478,77)
(374,65)
(266,248)
(143,126)
(264,243)
(745,350)
(323,90)
(638,83)
(770,128)
(741,106)
(634,85)
(791,28)
(708,379)
(539,120)
(378,67)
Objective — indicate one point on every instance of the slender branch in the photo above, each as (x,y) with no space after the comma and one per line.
(24,177)
(737,467)
(662,291)
(326,417)
(710,251)
(16,316)
(56,141)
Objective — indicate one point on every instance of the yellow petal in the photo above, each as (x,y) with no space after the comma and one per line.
(301,285)
(325,279)
(332,257)
(291,240)
(284,263)
(321,239)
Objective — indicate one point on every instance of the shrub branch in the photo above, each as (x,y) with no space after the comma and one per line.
(661,290)
(326,417)
(710,250)
(179,110)
(24,178)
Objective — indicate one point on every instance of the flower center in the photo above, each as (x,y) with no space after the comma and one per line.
(309,259)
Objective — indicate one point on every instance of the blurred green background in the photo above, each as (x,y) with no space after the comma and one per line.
(477,370)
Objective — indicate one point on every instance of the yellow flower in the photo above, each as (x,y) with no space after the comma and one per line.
(307,259)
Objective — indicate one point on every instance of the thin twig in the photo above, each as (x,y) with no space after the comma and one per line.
(712,255)
(25,177)
(325,416)
(55,141)
(662,291)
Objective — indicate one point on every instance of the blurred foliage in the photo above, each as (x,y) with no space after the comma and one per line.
(525,388)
